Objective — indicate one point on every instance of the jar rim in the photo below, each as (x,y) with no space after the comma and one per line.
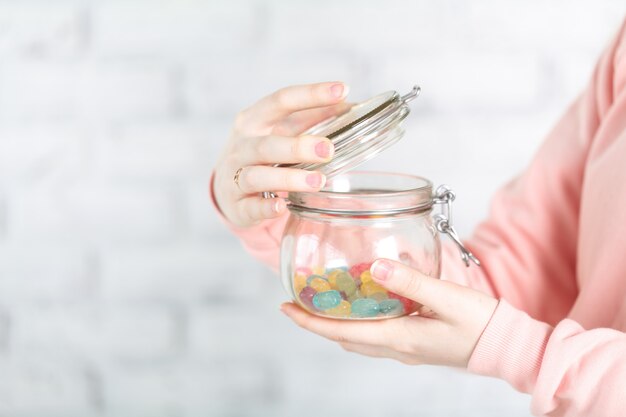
(358,193)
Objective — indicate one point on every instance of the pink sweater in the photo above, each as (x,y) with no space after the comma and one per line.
(554,252)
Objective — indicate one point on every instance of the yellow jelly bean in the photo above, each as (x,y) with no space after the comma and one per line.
(371,287)
(299,282)
(366,276)
(319,285)
(319,270)
(342,310)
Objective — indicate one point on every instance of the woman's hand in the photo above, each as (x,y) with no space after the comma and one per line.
(447,336)
(267,134)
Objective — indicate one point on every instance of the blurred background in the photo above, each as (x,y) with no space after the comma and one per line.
(121,294)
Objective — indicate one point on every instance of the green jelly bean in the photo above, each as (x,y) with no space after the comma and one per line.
(365,307)
(346,284)
(379,296)
(327,299)
(357,294)
(391,306)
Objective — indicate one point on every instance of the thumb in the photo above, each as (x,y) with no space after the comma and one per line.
(440,296)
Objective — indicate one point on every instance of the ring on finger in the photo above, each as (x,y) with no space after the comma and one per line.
(236,178)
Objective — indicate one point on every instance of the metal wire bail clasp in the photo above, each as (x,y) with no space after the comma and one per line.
(415,91)
(443,222)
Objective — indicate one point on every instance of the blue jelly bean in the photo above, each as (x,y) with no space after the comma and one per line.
(365,307)
(327,299)
(391,306)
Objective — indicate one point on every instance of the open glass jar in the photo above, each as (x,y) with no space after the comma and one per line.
(333,236)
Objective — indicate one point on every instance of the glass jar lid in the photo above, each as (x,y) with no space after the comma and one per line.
(362,132)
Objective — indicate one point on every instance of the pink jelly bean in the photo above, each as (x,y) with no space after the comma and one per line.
(304,271)
(306,297)
(358,269)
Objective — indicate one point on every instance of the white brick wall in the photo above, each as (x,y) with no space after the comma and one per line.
(121,294)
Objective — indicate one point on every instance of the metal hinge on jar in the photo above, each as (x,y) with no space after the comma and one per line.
(443,222)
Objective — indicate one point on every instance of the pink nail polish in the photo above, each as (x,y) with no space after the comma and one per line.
(381,270)
(314,180)
(322,149)
(338,90)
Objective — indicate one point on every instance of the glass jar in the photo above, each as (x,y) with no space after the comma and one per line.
(333,236)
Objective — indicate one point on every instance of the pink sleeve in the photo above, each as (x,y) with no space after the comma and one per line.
(263,240)
(528,243)
(568,370)
(528,248)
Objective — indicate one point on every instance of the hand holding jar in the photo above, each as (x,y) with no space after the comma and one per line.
(446,336)
(266,134)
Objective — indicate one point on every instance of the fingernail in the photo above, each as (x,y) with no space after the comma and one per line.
(314,180)
(381,270)
(322,149)
(339,90)
(277,206)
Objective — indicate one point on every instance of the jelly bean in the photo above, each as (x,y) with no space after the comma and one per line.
(356,296)
(371,287)
(299,282)
(319,270)
(342,310)
(378,296)
(355,271)
(332,277)
(391,306)
(319,284)
(314,276)
(345,292)
(365,307)
(358,269)
(366,276)
(346,284)
(304,271)
(327,299)
(409,305)
(306,297)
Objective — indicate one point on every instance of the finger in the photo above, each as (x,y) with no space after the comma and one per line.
(256,179)
(298,122)
(441,296)
(271,109)
(285,150)
(368,332)
(251,210)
